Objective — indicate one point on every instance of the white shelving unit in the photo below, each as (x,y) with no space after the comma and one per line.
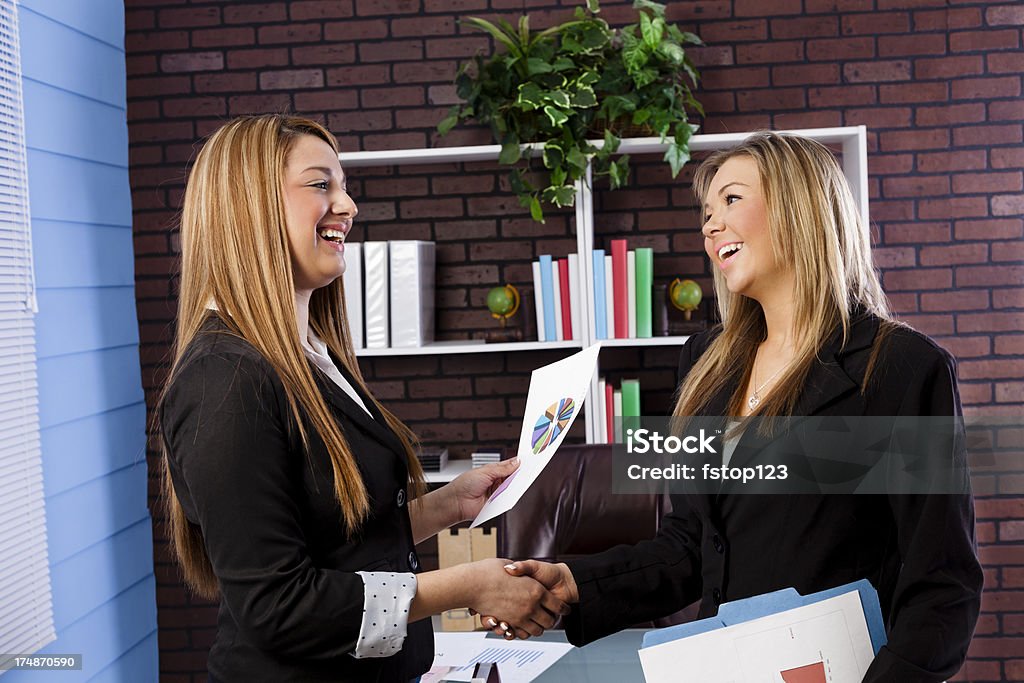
(852,140)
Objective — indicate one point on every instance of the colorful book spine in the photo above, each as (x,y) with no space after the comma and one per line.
(630,404)
(609,295)
(556,296)
(548,294)
(601,422)
(600,327)
(538,300)
(621,289)
(563,277)
(644,288)
(631,293)
(609,411)
(617,401)
(575,302)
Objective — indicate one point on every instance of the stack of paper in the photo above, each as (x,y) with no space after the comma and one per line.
(481,458)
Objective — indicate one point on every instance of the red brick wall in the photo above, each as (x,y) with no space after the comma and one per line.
(937,83)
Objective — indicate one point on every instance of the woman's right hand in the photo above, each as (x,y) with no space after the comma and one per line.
(526,607)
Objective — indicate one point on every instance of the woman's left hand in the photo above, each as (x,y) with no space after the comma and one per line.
(470,490)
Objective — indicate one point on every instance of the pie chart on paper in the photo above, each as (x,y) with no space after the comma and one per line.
(551,424)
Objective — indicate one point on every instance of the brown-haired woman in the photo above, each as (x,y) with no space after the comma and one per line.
(805,330)
(287,483)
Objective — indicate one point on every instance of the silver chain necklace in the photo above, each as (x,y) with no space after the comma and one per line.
(755,398)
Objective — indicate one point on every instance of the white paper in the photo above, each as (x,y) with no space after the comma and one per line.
(353,285)
(556,288)
(828,641)
(518,661)
(556,396)
(455,649)
(631,291)
(574,296)
(538,301)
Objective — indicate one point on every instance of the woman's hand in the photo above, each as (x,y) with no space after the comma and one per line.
(469,491)
(557,578)
(526,607)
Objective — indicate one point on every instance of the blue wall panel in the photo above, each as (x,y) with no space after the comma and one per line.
(92,415)
(72,254)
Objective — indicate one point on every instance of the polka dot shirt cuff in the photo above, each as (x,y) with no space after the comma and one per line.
(387,597)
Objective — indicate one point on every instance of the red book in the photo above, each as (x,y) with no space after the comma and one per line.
(621,293)
(609,410)
(563,280)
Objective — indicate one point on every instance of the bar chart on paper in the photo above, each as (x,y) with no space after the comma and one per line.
(811,673)
(518,662)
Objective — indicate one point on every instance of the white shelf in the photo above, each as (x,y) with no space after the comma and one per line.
(644,341)
(469,346)
(852,140)
(453,469)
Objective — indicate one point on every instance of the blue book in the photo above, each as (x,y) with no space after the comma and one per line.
(600,305)
(548,294)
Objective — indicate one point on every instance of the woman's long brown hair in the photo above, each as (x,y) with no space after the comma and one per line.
(235,253)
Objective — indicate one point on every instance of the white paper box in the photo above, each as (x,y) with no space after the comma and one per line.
(412,293)
(375,303)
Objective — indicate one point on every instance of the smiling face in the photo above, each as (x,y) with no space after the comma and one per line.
(736,234)
(318,213)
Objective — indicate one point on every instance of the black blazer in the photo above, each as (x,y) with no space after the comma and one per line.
(291,604)
(918,551)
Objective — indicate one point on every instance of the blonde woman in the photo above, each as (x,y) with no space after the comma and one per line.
(287,483)
(806,331)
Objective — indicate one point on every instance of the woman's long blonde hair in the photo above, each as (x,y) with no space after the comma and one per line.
(813,224)
(235,253)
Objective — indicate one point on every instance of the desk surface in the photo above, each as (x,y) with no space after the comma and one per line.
(609,660)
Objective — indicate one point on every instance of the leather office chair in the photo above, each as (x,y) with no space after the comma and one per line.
(570,511)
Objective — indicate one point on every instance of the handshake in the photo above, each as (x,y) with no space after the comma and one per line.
(527,598)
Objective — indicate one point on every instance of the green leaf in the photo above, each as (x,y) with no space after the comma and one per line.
(519,185)
(611,142)
(672,52)
(449,121)
(588,78)
(538,66)
(553,155)
(510,153)
(651,30)
(617,105)
(556,116)
(593,6)
(584,98)
(640,116)
(635,57)
(655,8)
(559,98)
(576,159)
(530,97)
(535,211)
(687,37)
(558,175)
(508,39)
(563,64)
(645,76)
(561,196)
(676,155)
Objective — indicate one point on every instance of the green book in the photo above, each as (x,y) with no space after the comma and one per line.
(630,404)
(644,287)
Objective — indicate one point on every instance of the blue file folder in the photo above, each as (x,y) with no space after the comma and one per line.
(600,329)
(772,603)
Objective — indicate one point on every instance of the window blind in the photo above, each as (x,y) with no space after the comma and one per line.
(26,611)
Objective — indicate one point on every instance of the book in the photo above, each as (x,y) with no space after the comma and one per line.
(538,301)
(563,289)
(432,459)
(621,289)
(548,295)
(601,435)
(609,295)
(609,412)
(644,288)
(617,401)
(631,292)
(600,329)
(352,284)
(412,277)
(376,298)
(630,404)
(575,302)
(556,296)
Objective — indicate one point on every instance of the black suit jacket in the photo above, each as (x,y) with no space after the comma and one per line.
(918,551)
(291,604)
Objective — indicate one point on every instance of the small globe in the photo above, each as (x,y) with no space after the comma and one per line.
(501,301)
(686,295)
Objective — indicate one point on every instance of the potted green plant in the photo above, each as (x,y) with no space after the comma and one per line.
(561,87)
